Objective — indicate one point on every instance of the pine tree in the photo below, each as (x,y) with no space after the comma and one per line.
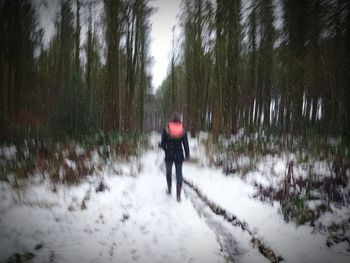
(17,28)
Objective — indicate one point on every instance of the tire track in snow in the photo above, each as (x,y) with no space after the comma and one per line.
(264,249)
(225,238)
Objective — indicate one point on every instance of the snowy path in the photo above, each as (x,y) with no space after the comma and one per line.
(134,220)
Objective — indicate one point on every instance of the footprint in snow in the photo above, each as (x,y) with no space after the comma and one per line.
(135,257)
(155,240)
(144,230)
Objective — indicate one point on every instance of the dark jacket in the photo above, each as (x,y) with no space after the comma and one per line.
(173,147)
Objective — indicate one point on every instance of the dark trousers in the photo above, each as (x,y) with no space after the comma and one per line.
(178,168)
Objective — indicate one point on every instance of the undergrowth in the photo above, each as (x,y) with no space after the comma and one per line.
(66,161)
(303,198)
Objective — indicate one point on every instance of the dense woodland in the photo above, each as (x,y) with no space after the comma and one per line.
(280,66)
(74,87)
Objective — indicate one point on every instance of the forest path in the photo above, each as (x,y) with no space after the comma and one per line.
(132,220)
(234,242)
(160,228)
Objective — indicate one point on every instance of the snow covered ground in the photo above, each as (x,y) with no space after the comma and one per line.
(134,220)
(294,243)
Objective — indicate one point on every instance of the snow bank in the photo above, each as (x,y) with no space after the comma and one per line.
(294,243)
(8,152)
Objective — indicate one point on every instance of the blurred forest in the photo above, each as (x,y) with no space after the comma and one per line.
(279,66)
(267,80)
(71,87)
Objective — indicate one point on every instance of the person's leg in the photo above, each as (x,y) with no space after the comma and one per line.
(178,167)
(168,166)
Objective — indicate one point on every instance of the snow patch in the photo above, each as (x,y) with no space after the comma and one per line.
(8,152)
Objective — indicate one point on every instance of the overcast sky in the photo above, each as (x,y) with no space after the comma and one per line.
(161,35)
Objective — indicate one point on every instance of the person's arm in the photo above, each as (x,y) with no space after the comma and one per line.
(163,142)
(185,143)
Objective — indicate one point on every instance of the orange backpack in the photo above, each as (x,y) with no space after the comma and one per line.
(175,129)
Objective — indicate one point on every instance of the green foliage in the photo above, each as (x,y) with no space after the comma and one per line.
(295,208)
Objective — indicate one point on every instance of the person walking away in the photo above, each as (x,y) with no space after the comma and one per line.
(174,143)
